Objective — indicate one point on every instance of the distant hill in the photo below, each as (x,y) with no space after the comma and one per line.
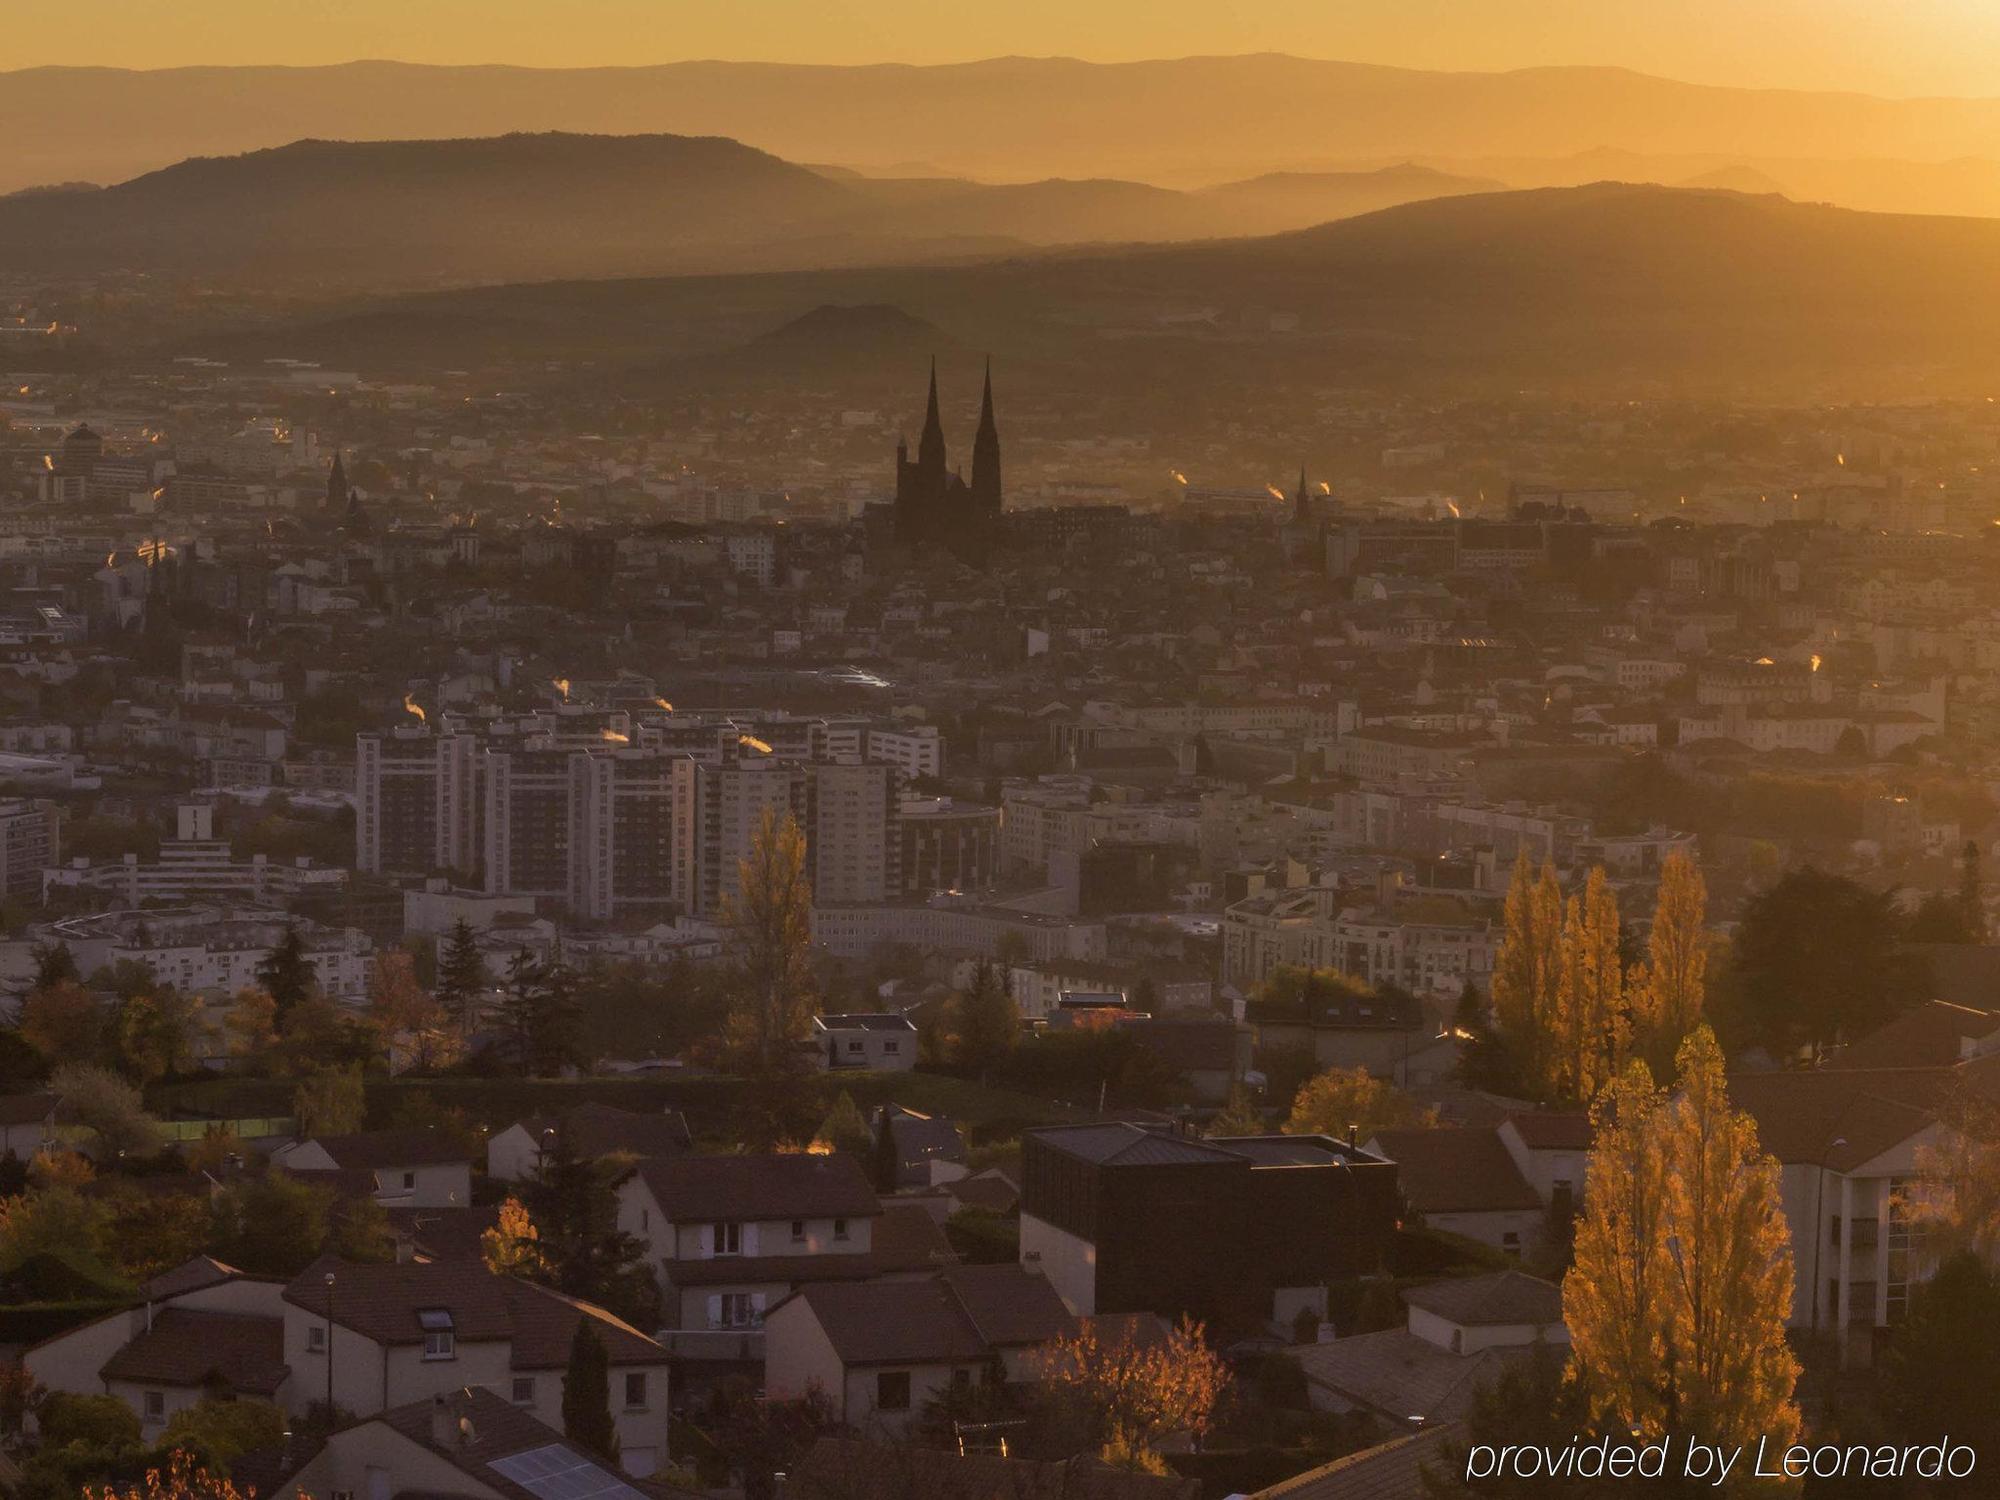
(1181,122)
(1604,286)
(531,207)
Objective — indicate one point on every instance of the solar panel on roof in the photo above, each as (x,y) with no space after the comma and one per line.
(558,1473)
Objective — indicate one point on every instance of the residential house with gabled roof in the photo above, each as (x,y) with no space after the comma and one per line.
(1458,1336)
(590,1131)
(202,1329)
(411,1168)
(383,1335)
(1465,1182)
(883,1350)
(729,1236)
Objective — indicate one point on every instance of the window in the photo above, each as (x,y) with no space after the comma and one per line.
(890,1049)
(738,1310)
(798,1231)
(156,1406)
(315,1339)
(854,1047)
(961,1380)
(409,1180)
(439,1339)
(840,1229)
(1511,1243)
(635,1390)
(892,1390)
(524,1389)
(725,1238)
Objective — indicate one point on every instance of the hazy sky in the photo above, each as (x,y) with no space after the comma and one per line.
(1883,46)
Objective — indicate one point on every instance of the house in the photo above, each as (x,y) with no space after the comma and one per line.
(470,1444)
(1383,1472)
(729,1236)
(202,1328)
(874,1040)
(411,1168)
(845,1468)
(1127,1218)
(929,1149)
(383,1336)
(1551,1148)
(27,1123)
(1465,1182)
(883,1350)
(589,1131)
(1457,1336)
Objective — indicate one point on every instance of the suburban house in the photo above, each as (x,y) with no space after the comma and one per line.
(589,1132)
(203,1328)
(732,1235)
(410,1168)
(873,1040)
(1551,1149)
(1458,1336)
(929,1148)
(469,1444)
(382,1336)
(1465,1182)
(883,1350)
(27,1123)
(1128,1218)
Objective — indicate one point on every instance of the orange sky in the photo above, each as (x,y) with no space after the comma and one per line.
(1884,46)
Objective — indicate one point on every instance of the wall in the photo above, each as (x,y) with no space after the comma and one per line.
(1069,1262)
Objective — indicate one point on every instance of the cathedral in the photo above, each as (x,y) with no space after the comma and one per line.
(936,506)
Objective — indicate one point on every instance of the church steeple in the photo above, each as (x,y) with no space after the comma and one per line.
(1300,514)
(986,449)
(930,446)
(336,484)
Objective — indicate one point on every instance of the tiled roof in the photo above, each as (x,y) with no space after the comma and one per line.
(1398,1375)
(1008,1304)
(544,1323)
(1931,1036)
(393,1148)
(1121,1143)
(382,1301)
(1552,1130)
(444,1233)
(191,1347)
(852,1469)
(1456,1171)
(188,1276)
(1389,1471)
(1504,1297)
(1839,1117)
(697,1188)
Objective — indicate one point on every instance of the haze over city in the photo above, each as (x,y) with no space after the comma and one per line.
(910,752)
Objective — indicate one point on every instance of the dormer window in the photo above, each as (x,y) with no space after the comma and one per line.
(440,1334)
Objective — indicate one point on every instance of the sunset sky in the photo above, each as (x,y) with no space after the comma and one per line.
(1882,46)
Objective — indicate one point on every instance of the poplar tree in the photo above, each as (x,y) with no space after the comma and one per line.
(1677,1300)
(1669,991)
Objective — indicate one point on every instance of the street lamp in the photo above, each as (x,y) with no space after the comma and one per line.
(329,1351)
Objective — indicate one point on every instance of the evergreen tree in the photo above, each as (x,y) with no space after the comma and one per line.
(586,1401)
(844,1129)
(541,1015)
(461,974)
(54,965)
(988,1021)
(583,1251)
(287,973)
(887,1166)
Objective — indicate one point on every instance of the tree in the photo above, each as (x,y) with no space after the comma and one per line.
(1942,1373)
(1239,1116)
(1972,892)
(408,1016)
(272,1225)
(287,972)
(513,1246)
(1591,1028)
(461,976)
(1145,1390)
(54,965)
(1342,1098)
(107,1107)
(988,1021)
(1954,1197)
(52,1221)
(1530,1401)
(330,1101)
(769,922)
(251,1025)
(540,1015)
(586,1399)
(1670,991)
(359,1230)
(183,1478)
(223,1431)
(315,1033)
(843,1129)
(1677,1301)
(147,1233)
(64,1023)
(1819,959)
(584,1252)
(161,1033)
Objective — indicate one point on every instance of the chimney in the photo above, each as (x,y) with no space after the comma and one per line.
(441,1423)
(1353,1134)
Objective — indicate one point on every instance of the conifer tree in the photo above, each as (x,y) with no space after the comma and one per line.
(461,974)
(586,1400)
(287,973)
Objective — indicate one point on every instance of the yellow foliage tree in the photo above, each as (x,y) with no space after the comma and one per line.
(1669,991)
(1677,1300)
(513,1246)
(1136,1392)
(1330,1102)
(769,922)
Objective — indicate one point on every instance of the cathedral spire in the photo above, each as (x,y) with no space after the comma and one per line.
(930,446)
(1299,512)
(336,483)
(986,450)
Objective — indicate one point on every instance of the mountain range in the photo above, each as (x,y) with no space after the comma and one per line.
(1181,122)
(523,207)
(1605,286)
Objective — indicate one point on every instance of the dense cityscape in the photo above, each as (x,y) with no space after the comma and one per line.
(859,919)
